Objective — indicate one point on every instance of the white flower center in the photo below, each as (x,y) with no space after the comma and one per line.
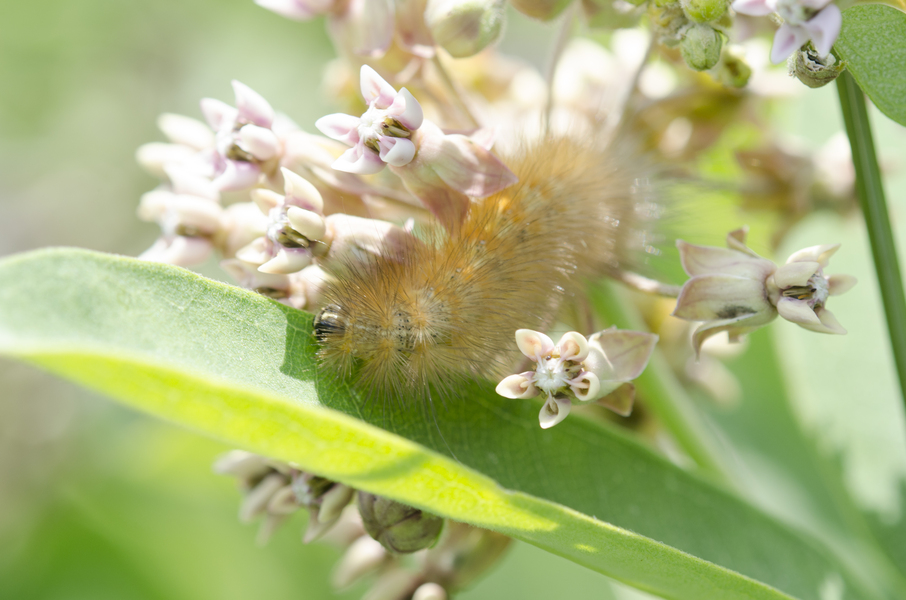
(793,12)
(550,375)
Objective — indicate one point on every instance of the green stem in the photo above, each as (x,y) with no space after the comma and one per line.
(871,197)
(664,394)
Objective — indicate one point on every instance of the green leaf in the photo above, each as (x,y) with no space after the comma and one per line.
(873,43)
(242,368)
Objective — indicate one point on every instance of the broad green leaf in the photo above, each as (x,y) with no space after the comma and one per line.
(873,43)
(241,368)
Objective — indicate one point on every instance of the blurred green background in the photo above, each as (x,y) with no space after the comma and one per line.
(97,502)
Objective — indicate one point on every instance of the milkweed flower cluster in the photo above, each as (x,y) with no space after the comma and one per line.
(818,21)
(579,369)
(734,290)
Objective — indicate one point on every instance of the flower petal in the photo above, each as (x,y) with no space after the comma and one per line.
(829,321)
(219,115)
(518,386)
(260,142)
(795,274)
(736,327)
(573,346)
(359,160)
(256,252)
(308,223)
(340,127)
(297,10)
(797,311)
(554,411)
(407,110)
(238,175)
(252,106)
(586,386)
(625,353)
(287,260)
(375,89)
(707,297)
(620,400)
(824,28)
(411,31)
(187,131)
(534,344)
(707,260)
(266,200)
(819,254)
(839,284)
(180,251)
(754,8)
(300,192)
(786,41)
(397,152)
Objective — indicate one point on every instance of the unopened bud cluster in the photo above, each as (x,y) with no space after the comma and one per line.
(409,553)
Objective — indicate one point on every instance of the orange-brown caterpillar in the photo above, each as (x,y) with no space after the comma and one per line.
(438,312)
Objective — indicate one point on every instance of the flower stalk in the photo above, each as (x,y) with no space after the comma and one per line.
(870,189)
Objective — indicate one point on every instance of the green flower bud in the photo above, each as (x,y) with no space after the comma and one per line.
(465,27)
(704,11)
(701,47)
(668,22)
(733,70)
(399,528)
(813,70)
(544,10)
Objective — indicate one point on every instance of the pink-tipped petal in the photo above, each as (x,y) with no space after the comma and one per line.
(297,10)
(340,127)
(306,222)
(252,106)
(260,142)
(287,260)
(626,352)
(238,175)
(470,169)
(797,311)
(375,88)
(787,40)
(573,346)
(187,131)
(839,284)
(708,260)
(266,200)
(795,274)
(620,400)
(819,254)
(754,8)
(554,411)
(518,387)
(407,110)
(397,152)
(708,297)
(534,344)
(300,192)
(219,115)
(824,28)
(736,240)
(359,160)
(586,387)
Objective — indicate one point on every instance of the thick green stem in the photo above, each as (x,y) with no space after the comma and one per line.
(664,394)
(874,207)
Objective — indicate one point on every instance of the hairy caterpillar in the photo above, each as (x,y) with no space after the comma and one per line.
(427,317)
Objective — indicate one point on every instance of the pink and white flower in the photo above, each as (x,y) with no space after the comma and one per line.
(442,170)
(734,290)
(803,20)
(579,369)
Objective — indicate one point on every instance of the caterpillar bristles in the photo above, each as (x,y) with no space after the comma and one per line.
(446,309)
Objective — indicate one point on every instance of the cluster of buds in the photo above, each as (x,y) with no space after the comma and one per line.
(734,290)
(581,370)
(412,554)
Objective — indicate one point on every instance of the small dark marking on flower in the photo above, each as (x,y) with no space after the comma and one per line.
(731,312)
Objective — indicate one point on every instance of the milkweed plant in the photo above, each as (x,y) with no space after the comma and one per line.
(656,423)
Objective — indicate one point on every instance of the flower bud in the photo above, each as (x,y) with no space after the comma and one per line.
(464,27)
(704,11)
(813,70)
(668,21)
(400,528)
(701,47)
(733,70)
(544,10)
